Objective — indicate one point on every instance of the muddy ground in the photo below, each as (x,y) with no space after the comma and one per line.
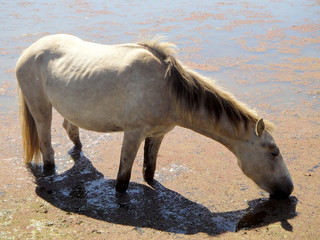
(266,53)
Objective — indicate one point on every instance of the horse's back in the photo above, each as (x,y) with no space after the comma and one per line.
(98,87)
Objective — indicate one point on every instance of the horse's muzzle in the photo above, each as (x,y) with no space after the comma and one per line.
(282,193)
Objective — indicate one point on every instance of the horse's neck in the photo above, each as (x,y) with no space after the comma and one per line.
(222,131)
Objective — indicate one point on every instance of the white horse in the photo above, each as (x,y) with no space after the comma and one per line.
(143,90)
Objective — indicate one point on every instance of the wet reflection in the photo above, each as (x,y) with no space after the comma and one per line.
(84,190)
(262,212)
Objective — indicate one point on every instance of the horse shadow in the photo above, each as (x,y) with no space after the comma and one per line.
(83,190)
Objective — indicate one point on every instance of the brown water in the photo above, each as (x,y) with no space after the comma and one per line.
(266,52)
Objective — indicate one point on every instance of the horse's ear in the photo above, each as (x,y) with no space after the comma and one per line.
(260,127)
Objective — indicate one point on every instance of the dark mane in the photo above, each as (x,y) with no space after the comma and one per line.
(191,90)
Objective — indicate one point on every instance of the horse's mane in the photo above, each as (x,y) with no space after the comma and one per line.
(191,90)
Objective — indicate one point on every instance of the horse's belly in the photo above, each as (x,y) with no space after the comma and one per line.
(96,126)
(92,118)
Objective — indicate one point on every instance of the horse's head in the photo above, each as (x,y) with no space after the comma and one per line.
(260,159)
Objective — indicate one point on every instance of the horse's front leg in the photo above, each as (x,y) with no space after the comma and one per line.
(130,146)
(151,149)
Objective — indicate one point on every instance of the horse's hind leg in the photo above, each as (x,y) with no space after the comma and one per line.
(151,149)
(38,107)
(44,132)
(73,133)
(41,111)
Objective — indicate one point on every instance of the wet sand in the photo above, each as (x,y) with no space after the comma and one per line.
(266,53)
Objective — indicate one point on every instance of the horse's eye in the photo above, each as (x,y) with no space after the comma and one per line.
(275,152)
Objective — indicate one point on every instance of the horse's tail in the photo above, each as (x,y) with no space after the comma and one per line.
(30,138)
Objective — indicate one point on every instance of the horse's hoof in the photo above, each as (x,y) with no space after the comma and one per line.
(148,176)
(121,186)
(148,180)
(49,168)
(78,147)
(75,152)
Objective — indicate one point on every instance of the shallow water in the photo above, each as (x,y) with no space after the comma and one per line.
(84,190)
(225,40)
